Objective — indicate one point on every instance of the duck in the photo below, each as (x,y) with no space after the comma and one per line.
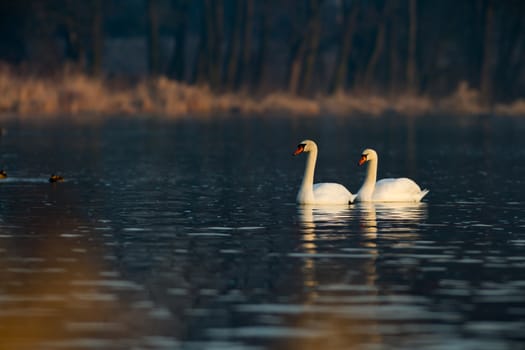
(3,174)
(386,190)
(319,193)
(55,178)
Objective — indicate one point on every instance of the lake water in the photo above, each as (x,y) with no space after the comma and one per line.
(185,235)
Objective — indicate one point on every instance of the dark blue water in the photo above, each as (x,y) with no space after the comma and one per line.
(185,235)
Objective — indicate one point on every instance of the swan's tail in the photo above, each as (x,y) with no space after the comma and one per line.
(423,194)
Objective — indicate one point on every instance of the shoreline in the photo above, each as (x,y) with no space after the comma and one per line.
(79,95)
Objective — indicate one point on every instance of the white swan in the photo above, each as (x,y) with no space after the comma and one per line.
(386,190)
(321,193)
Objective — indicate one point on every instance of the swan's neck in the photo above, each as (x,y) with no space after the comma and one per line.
(367,189)
(306,192)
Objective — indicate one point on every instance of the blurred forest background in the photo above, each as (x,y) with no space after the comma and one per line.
(190,50)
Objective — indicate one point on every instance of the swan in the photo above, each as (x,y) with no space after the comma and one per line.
(321,193)
(386,190)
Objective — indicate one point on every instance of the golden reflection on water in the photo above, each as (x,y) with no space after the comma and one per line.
(39,303)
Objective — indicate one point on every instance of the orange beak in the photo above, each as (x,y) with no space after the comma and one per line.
(362,160)
(299,150)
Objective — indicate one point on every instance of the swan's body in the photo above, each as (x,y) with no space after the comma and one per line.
(386,190)
(321,193)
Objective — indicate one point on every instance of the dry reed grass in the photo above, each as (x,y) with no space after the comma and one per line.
(464,100)
(515,108)
(80,95)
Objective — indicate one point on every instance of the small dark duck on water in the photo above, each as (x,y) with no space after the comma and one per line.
(3,174)
(55,178)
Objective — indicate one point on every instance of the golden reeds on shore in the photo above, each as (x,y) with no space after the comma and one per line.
(79,94)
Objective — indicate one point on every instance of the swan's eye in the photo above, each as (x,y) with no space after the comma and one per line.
(301,147)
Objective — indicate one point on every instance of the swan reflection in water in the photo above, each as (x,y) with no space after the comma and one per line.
(391,220)
(315,219)
(399,211)
(337,215)
(362,227)
(320,224)
(387,217)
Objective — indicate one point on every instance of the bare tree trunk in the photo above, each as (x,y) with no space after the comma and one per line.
(412,39)
(341,67)
(178,58)
(200,72)
(260,59)
(509,45)
(234,47)
(296,57)
(214,19)
(516,60)
(153,38)
(314,34)
(473,43)
(394,56)
(296,65)
(97,39)
(14,24)
(74,48)
(486,69)
(245,79)
(378,50)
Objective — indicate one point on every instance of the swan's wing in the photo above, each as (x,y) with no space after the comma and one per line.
(397,185)
(332,193)
(398,189)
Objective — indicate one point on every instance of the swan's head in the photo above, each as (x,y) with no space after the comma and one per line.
(305,146)
(367,155)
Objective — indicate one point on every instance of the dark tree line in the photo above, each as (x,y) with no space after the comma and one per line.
(301,46)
